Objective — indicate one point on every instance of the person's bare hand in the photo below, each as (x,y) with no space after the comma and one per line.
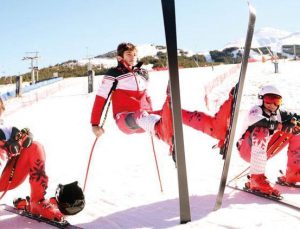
(98,131)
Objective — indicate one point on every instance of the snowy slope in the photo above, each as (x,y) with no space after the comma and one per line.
(123,189)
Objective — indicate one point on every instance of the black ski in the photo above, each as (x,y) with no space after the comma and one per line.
(64,224)
(168,8)
(284,183)
(280,200)
(228,144)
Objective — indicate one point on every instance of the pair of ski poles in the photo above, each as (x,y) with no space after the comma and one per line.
(94,144)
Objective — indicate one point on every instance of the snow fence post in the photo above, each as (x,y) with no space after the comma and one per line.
(276,66)
(91,75)
(19,86)
(168,7)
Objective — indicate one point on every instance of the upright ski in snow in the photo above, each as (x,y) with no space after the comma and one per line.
(168,8)
(229,141)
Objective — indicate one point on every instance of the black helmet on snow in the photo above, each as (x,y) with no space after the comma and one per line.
(70,198)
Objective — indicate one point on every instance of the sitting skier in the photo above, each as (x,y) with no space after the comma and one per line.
(266,124)
(24,157)
(132,108)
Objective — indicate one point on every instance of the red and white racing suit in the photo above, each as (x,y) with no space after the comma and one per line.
(130,97)
(256,144)
(31,161)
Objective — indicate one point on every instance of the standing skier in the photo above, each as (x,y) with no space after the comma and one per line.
(20,156)
(265,123)
(132,108)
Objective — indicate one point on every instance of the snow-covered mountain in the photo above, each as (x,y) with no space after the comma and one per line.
(265,37)
(108,60)
(269,37)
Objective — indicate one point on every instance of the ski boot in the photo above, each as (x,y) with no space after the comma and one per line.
(46,209)
(53,201)
(291,178)
(259,183)
(164,127)
(21,203)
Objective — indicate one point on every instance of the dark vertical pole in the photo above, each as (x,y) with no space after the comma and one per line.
(18,86)
(91,75)
(276,66)
(171,41)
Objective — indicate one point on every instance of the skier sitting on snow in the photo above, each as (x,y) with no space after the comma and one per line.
(265,123)
(24,156)
(132,107)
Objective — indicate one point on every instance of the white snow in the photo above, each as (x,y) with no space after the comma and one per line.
(105,62)
(269,37)
(122,189)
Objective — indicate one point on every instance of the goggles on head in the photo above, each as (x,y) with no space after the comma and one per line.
(272,99)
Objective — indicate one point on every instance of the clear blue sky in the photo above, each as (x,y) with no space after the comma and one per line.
(70,29)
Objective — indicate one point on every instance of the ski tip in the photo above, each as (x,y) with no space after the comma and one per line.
(251,8)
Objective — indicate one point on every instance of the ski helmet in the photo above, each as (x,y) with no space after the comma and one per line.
(268,89)
(70,198)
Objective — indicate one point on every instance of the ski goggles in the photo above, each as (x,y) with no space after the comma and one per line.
(273,99)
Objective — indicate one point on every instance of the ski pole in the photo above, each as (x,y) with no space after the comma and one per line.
(12,173)
(89,162)
(241,174)
(92,150)
(157,169)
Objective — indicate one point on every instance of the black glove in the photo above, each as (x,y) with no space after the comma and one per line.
(25,137)
(296,129)
(288,125)
(13,148)
(18,139)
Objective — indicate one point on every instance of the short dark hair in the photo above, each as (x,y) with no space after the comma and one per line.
(125,47)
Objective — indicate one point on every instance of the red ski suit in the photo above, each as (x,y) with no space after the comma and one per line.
(214,126)
(258,118)
(31,161)
(130,95)
(131,103)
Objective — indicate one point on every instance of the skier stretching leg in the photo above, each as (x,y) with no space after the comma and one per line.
(214,126)
(25,157)
(267,123)
(132,108)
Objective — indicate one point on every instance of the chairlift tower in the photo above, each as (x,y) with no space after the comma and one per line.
(33,57)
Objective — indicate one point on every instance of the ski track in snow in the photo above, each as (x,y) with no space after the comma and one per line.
(122,189)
